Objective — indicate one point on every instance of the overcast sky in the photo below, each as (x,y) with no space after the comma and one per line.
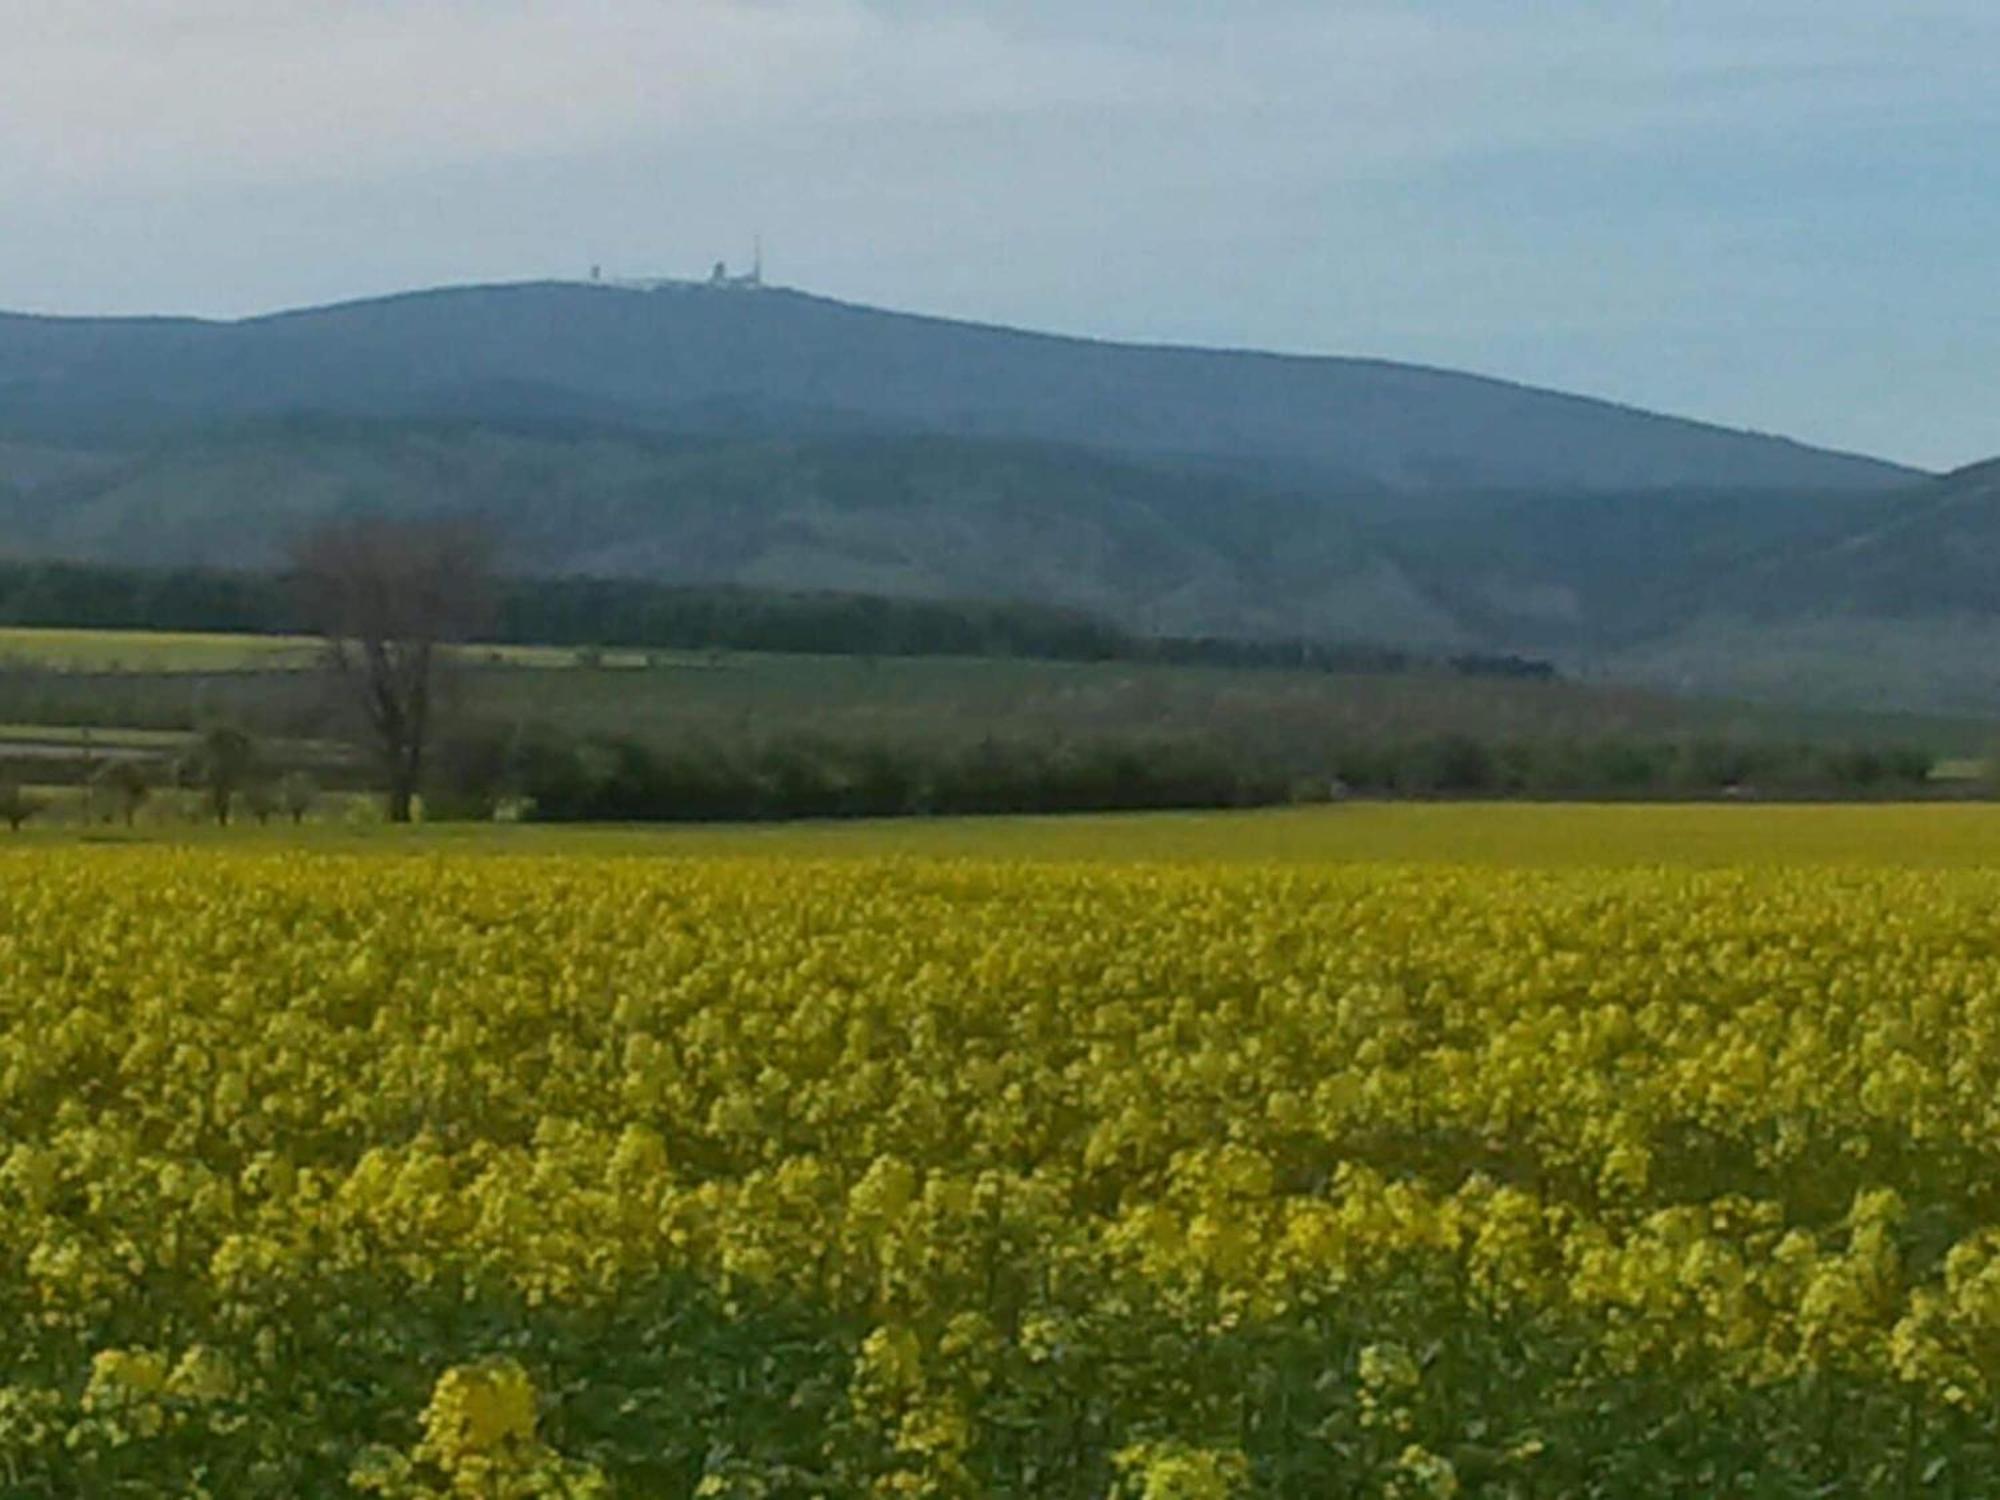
(1781,214)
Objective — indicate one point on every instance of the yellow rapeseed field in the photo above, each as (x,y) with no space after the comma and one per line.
(414,1174)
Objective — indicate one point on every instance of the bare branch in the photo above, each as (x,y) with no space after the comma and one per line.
(389,596)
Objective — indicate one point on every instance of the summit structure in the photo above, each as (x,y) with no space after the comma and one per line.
(720,278)
(751,280)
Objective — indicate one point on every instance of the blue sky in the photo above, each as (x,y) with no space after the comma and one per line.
(1773,213)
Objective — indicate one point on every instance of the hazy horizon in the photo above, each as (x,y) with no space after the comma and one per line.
(1779,221)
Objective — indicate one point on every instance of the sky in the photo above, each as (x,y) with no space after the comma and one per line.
(1777,214)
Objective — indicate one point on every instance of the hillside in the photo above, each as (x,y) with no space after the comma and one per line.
(1894,602)
(1183,551)
(1929,551)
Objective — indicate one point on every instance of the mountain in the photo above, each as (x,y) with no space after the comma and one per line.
(697,359)
(769,437)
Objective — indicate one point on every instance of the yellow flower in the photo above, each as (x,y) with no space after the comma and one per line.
(122,1377)
(479,1411)
(1421,1473)
(1179,1471)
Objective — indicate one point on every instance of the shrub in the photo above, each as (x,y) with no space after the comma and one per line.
(17,804)
(471,773)
(620,779)
(297,792)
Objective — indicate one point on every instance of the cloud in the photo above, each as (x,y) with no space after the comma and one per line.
(128,93)
(215,92)
(1674,194)
(141,94)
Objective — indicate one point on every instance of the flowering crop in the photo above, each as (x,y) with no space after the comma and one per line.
(565,1176)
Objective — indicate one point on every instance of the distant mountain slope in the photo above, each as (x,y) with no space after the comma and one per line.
(1887,601)
(1930,550)
(1187,552)
(696,359)
(1605,570)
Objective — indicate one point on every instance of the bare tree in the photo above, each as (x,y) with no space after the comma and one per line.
(390,596)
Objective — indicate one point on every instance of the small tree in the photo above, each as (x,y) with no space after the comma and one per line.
(261,798)
(17,805)
(389,597)
(127,783)
(222,762)
(298,793)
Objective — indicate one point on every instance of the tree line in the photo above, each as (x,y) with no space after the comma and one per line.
(544,775)
(639,615)
(223,766)
(555,778)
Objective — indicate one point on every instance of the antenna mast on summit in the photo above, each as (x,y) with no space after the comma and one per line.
(757,260)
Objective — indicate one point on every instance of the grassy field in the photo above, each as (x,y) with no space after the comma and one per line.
(150,650)
(137,680)
(192,652)
(933,696)
(72,738)
(1538,836)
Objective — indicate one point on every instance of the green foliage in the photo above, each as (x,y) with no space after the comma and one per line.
(472,771)
(1459,763)
(620,779)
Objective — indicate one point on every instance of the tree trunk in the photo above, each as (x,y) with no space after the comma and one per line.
(402,802)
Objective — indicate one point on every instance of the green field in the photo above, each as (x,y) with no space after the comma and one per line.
(195,652)
(136,679)
(1472,834)
(74,738)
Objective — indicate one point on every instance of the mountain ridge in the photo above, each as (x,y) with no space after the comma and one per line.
(946,321)
(1346,422)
